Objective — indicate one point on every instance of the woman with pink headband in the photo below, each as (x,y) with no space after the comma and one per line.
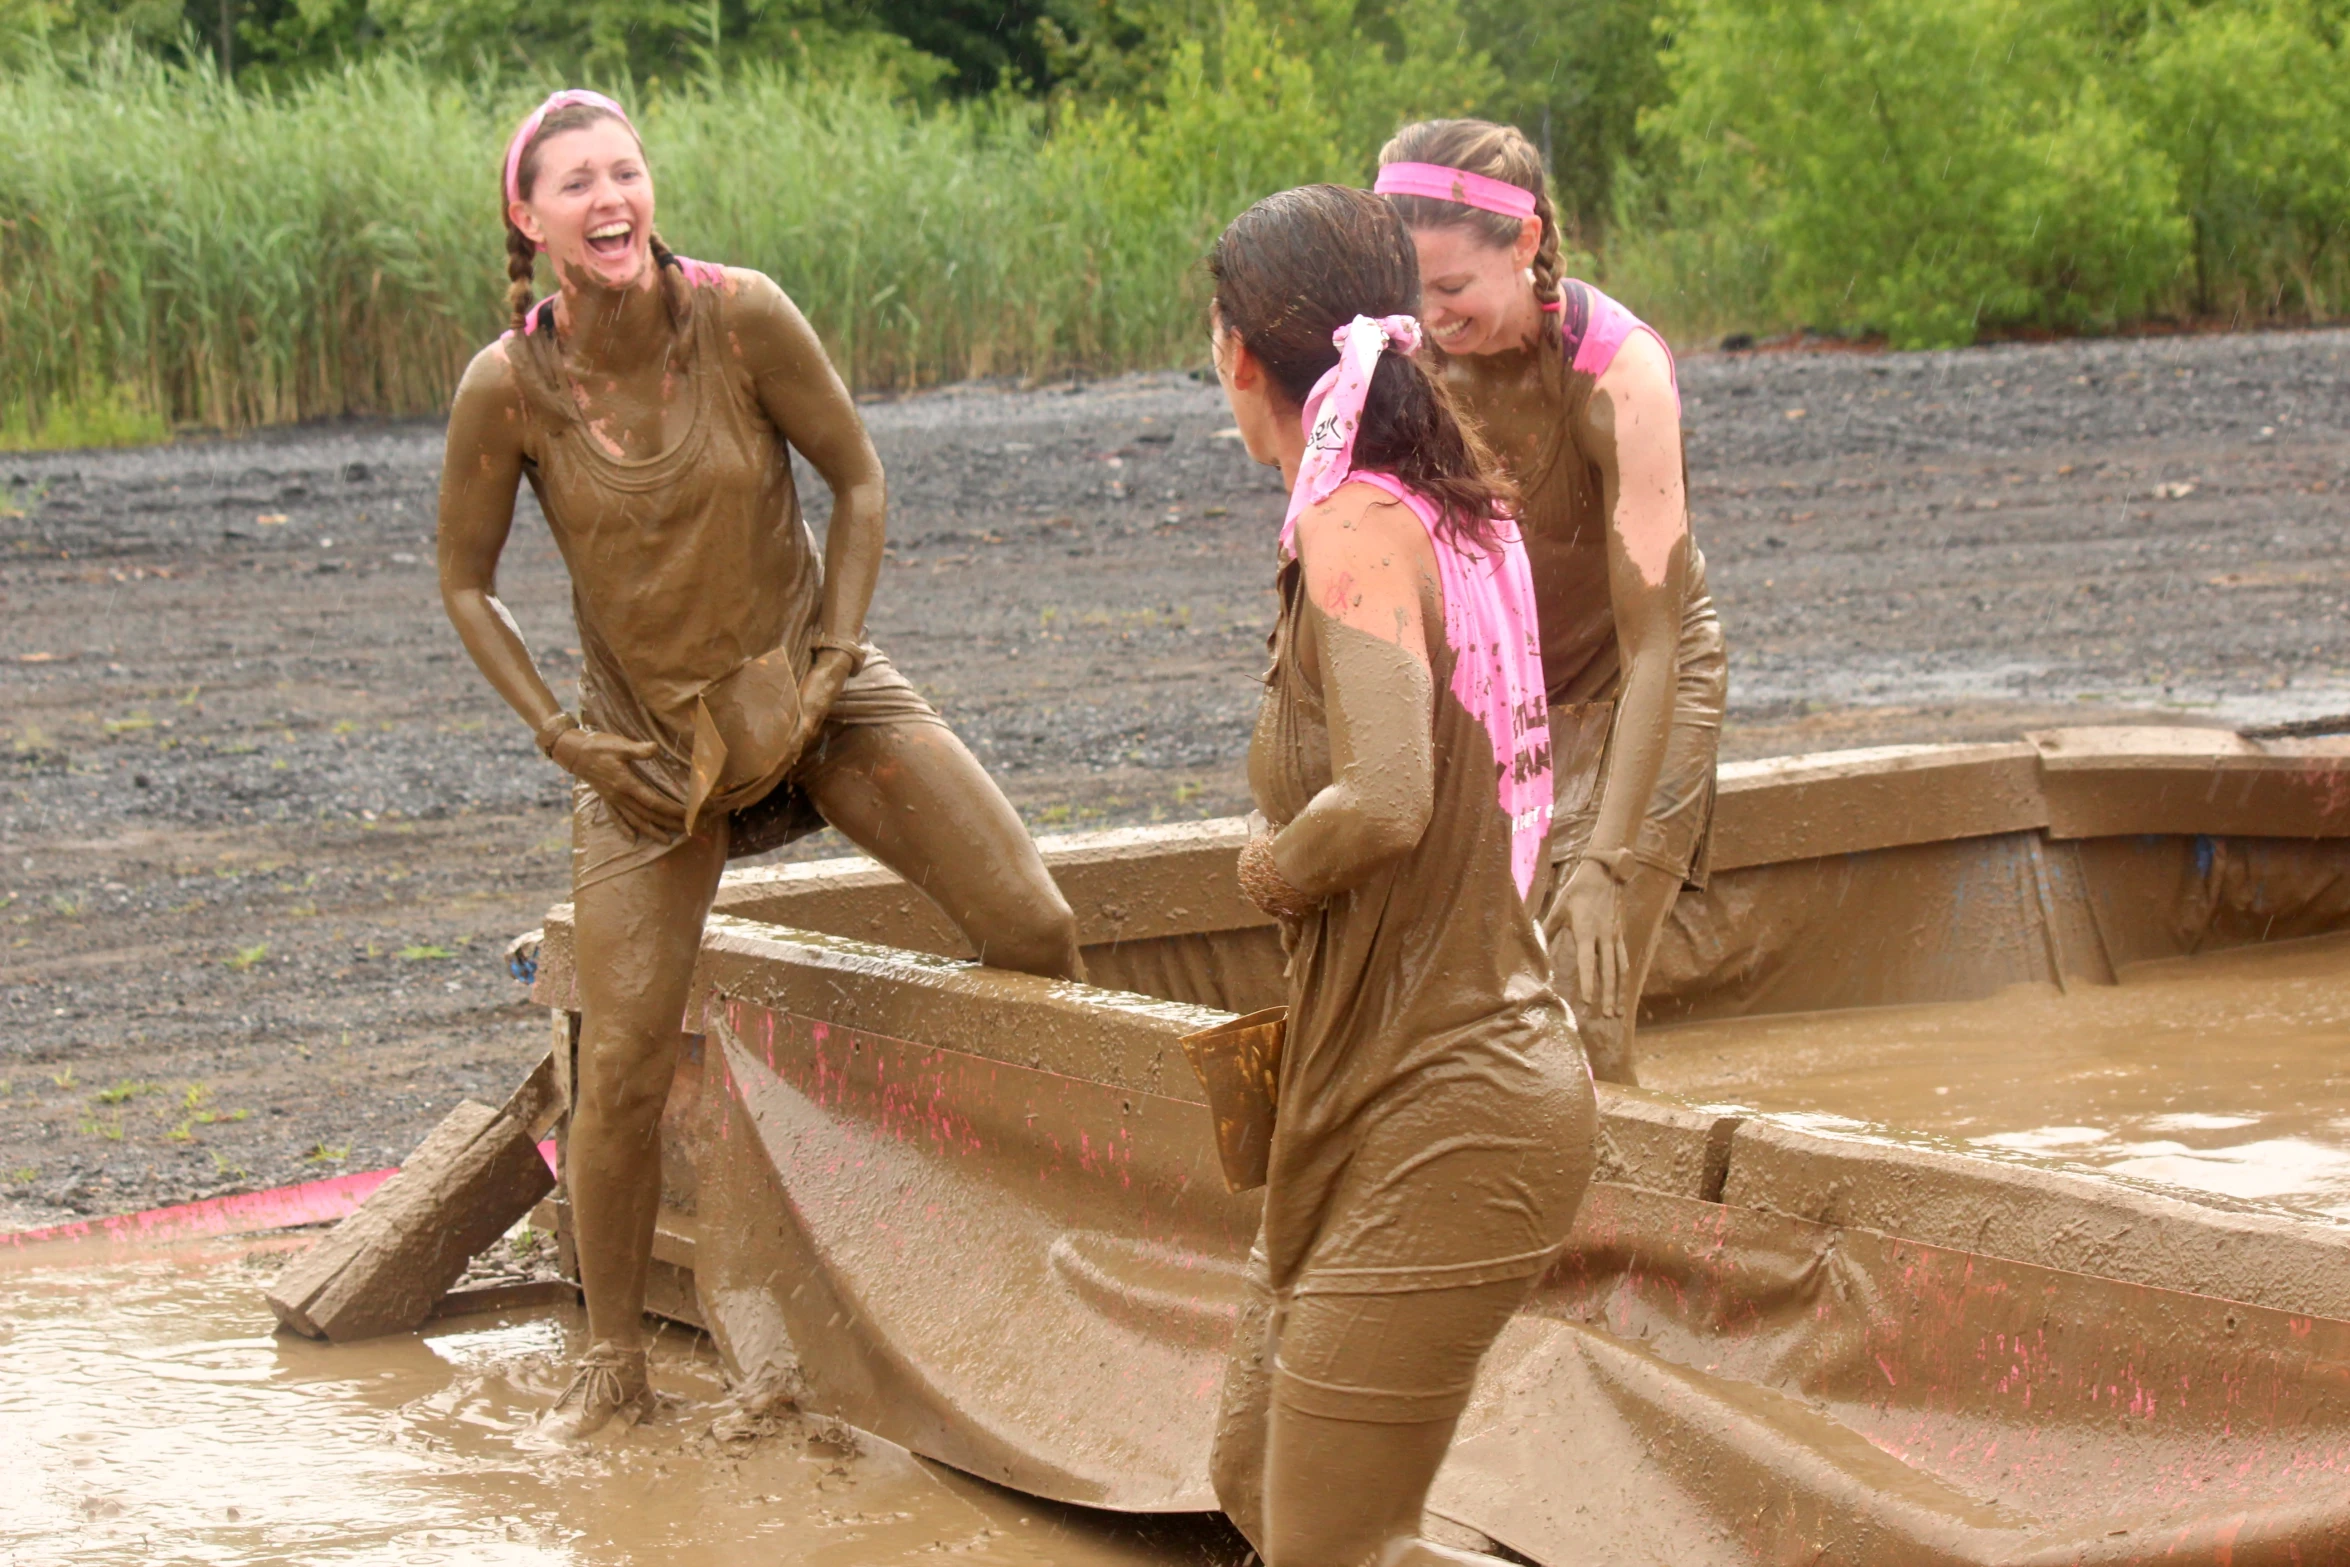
(729,701)
(1580,404)
(1434,1128)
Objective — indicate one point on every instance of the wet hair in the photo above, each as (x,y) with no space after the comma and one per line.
(1499,152)
(1296,267)
(521,254)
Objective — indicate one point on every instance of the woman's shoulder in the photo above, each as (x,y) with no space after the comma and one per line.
(491,373)
(741,293)
(1368,524)
(1604,337)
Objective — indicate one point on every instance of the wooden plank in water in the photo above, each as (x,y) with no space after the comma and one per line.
(383,1269)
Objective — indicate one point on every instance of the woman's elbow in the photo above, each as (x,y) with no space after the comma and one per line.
(1395,830)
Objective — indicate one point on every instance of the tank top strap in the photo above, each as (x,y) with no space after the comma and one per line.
(547,394)
(1593,328)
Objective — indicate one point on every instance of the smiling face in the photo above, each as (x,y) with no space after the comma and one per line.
(1477,297)
(588,202)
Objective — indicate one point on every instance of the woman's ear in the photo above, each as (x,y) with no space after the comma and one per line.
(519,214)
(1246,370)
(1529,242)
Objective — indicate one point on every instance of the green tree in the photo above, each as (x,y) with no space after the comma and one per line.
(1925,170)
(2252,103)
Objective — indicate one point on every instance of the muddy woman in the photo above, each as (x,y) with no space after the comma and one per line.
(728,697)
(1435,1122)
(1578,400)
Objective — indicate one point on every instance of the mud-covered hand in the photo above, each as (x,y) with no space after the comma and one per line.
(601,761)
(1262,883)
(1588,916)
(828,671)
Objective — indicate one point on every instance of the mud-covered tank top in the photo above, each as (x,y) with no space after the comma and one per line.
(1429,970)
(685,565)
(1528,401)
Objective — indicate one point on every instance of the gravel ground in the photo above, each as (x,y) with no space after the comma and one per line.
(264,833)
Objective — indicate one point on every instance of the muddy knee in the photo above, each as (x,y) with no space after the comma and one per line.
(1038,937)
(624,1082)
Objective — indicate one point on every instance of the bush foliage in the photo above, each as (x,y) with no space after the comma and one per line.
(1026,187)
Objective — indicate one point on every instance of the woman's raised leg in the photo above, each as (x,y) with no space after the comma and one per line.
(914,798)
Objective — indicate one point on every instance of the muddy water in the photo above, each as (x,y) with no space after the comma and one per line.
(148,1414)
(2228,1073)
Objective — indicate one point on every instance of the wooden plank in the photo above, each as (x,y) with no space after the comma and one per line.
(383,1269)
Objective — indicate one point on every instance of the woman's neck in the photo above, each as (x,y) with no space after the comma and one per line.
(1289,446)
(1521,328)
(613,330)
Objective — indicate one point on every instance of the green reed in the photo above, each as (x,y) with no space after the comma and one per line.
(227,257)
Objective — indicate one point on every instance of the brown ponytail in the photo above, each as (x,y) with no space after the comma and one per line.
(1296,267)
(521,254)
(1499,152)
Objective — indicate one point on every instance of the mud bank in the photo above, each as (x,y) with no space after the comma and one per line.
(236,718)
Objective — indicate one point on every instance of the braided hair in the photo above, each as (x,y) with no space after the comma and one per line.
(1499,152)
(1295,268)
(521,253)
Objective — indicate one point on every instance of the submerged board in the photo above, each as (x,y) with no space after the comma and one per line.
(981,1213)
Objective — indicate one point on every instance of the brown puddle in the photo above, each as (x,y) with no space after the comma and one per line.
(148,1413)
(2228,1073)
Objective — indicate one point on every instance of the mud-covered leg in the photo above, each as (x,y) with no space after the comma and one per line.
(637,935)
(1349,1493)
(915,799)
(1366,1392)
(1645,901)
(1237,1463)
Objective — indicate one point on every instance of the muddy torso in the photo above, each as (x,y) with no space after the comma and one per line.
(1420,998)
(685,562)
(1530,402)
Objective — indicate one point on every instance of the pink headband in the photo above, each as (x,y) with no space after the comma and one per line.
(1439,183)
(565,99)
(1334,409)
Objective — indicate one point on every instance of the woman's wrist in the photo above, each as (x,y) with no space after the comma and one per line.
(555,750)
(1618,864)
(849,650)
(552,729)
(1262,883)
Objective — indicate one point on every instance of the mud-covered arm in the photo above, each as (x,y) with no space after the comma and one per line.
(480,471)
(1368,567)
(1631,430)
(805,399)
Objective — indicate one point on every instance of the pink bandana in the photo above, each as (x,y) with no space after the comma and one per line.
(1489,615)
(1334,409)
(538,116)
(1439,183)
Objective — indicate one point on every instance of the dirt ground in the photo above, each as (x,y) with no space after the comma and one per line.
(264,833)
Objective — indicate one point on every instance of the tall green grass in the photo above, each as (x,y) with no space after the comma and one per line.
(230,257)
(175,249)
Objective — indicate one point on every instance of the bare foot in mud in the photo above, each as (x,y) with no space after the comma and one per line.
(609,1386)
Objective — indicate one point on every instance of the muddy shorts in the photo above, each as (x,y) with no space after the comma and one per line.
(877,695)
(1677,829)
(1450,1207)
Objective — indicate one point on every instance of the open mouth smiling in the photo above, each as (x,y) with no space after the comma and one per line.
(611,240)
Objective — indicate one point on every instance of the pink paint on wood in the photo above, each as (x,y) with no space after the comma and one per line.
(279,1208)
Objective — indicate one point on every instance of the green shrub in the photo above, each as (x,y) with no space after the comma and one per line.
(2252,103)
(1925,170)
